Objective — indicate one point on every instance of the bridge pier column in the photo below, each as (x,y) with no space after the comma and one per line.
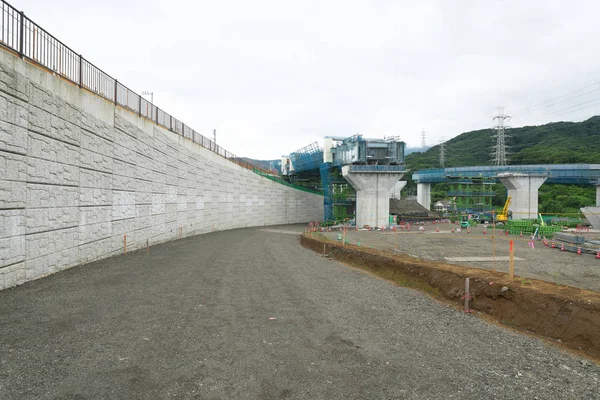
(523,188)
(372,194)
(395,191)
(424,195)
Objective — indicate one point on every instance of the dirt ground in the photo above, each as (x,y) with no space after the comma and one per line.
(565,314)
(537,262)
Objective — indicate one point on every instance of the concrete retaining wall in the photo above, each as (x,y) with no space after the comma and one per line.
(78,173)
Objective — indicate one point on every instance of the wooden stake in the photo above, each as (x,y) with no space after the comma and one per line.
(494,245)
(467,293)
(511,265)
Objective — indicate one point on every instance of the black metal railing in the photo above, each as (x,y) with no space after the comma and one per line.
(20,34)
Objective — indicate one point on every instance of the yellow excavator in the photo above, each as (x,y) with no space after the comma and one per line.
(504,215)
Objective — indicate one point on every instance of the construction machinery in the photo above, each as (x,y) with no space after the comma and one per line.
(504,215)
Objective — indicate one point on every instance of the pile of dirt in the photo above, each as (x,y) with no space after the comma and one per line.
(562,313)
(409,208)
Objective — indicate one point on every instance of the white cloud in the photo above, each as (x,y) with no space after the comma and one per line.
(273,76)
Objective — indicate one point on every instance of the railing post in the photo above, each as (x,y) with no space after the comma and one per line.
(140,104)
(22,34)
(116,85)
(171,123)
(80,71)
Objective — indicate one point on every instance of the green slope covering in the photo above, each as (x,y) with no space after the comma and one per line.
(554,143)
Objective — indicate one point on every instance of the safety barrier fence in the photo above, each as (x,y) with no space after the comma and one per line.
(283,182)
(33,43)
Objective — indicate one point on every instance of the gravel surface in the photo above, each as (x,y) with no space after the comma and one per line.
(251,314)
(539,262)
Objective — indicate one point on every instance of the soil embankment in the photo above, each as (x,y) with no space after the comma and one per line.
(562,313)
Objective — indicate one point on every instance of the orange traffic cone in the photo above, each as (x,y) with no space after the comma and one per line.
(578,250)
(562,247)
(553,245)
(469,229)
(485,231)
(507,233)
(437,229)
(521,235)
(452,230)
(598,255)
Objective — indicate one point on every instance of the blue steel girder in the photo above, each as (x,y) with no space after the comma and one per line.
(569,174)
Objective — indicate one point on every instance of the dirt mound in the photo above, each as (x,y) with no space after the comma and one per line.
(558,312)
(409,208)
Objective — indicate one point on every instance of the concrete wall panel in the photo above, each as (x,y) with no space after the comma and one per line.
(78,174)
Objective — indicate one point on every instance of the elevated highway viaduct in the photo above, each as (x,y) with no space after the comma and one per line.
(521,181)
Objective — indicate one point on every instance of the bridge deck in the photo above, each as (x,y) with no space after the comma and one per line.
(581,174)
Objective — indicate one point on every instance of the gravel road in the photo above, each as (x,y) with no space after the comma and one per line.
(251,314)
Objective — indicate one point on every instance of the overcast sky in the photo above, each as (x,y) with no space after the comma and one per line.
(274,76)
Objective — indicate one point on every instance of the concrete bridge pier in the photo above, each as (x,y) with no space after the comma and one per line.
(424,195)
(372,193)
(395,191)
(523,188)
(592,214)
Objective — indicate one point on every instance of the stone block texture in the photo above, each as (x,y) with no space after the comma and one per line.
(78,174)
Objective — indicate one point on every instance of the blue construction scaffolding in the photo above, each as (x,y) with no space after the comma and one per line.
(307,158)
(326,181)
(339,197)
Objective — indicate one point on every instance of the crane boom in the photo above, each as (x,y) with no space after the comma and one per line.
(503,216)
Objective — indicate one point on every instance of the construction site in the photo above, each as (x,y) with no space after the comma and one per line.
(535,258)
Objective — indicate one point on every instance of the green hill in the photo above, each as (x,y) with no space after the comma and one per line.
(553,143)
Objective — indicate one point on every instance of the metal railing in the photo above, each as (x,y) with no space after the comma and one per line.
(30,41)
(377,168)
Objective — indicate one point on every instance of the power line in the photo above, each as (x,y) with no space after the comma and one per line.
(562,98)
(576,106)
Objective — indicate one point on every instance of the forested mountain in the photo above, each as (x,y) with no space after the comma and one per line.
(554,143)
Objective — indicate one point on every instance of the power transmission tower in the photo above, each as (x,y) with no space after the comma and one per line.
(423,139)
(500,150)
(442,153)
